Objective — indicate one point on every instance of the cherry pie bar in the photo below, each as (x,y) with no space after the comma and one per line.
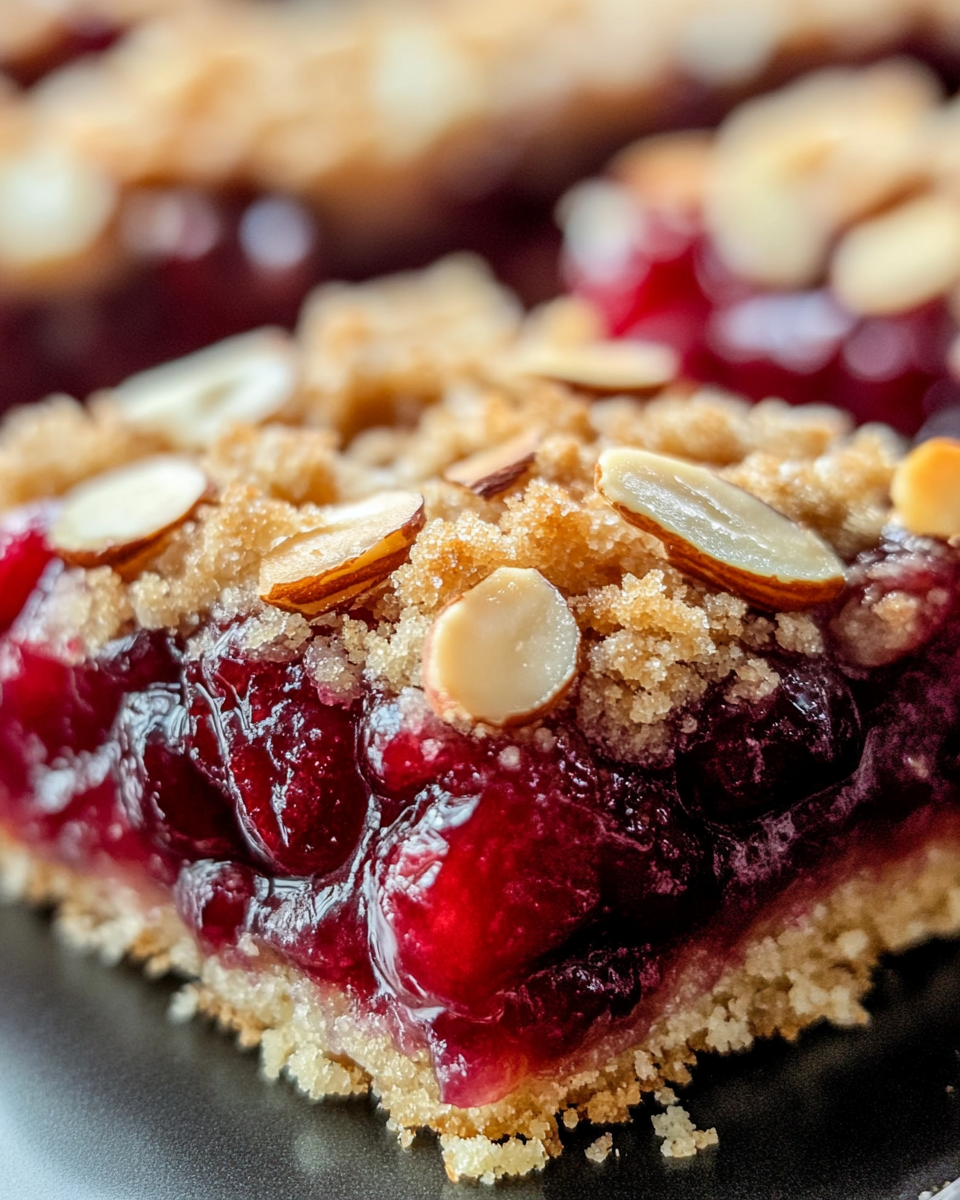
(809,248)
(475,713)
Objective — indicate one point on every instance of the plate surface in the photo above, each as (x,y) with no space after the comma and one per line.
(101,1098)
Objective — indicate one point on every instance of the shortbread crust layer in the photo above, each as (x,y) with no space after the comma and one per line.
(791,970)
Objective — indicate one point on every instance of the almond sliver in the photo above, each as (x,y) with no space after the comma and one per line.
(357,547)
(112,517)
(611,366)
(718,532)
(189,401)
(502,653)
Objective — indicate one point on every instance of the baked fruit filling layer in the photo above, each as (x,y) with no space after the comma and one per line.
(536,695)
(808,249)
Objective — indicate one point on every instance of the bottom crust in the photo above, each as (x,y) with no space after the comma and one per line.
(806,963)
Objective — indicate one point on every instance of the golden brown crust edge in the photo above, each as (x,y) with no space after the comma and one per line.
(816,965)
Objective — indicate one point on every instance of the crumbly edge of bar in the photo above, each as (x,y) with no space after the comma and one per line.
(816,966)
(448,100)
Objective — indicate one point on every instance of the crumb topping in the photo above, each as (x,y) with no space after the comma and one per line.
(399,380)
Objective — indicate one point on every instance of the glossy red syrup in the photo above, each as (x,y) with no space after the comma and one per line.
(501,899)
(669,284)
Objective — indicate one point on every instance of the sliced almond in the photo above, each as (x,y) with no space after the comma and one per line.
(246,379)
(502,653)
(718,532)
(358,546)
(926,488)
(112,518)
(899,260)
(606,367)
(490,472)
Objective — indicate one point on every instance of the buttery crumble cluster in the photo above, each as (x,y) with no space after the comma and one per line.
(399,380)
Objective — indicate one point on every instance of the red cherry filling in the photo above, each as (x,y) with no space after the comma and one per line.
(214,897)
(667,283)
(23,555)
(57,752)
(501,899)
(162,791)
(259,731)
(471,889)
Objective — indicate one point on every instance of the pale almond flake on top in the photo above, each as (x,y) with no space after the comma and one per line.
(718,532)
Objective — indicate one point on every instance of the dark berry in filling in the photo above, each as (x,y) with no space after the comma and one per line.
(748,758)
(670,285)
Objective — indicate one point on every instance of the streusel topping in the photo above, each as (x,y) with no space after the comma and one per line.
(434,356)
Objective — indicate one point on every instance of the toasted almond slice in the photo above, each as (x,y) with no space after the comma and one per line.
(718,532)
(111,518)
(926,488)
(247,379)
(502,653)
(899,260)
(360,545)
(490,472)
(610,367)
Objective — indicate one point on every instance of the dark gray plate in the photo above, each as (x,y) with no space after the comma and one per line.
(100,1097)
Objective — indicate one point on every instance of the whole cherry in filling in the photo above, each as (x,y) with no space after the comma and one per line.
(163,792)
(259,732)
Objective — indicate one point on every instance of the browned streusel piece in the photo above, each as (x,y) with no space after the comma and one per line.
(48,447)
(375,354)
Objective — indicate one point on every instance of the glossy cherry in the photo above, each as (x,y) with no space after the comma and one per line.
(258,731)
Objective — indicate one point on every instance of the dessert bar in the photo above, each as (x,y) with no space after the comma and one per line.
(809,248)
(475,712)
